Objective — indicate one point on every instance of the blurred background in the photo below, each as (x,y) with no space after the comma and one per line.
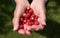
(52,30)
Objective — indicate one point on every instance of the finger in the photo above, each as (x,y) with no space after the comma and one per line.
(15,23)
(34,27)
(42,15)
(41,21)
(17,14)
(21,31)
(41,27)
(37,28)
(27,27)
(27,32)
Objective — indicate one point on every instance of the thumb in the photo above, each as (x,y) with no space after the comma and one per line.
(15,23)
(17,14)
(43,22)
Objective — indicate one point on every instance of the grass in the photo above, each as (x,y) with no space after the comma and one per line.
(52,30)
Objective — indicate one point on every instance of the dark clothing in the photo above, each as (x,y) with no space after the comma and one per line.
(30,1)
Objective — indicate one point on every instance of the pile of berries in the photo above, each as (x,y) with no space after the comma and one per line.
(28,18)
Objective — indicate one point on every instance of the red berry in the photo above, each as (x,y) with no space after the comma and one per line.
(28,8)
(30,11)
(21,19)
(29,23)
(32,23)
(24,14)
(36,17)
(28,18)
(31,18)
(24,21)
(36,23)
(27,15)
(21,27)
(27,11)
(33,15)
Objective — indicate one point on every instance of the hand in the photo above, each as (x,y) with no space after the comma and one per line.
(20,6)
(39,9)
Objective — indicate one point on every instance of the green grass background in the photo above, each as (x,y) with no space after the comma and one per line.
(52,30)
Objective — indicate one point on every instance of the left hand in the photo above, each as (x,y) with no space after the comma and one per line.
(20,7)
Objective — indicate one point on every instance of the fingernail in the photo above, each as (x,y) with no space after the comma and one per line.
(21,31)
(43,23)
(27,32)
(15,28)
(29,28)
